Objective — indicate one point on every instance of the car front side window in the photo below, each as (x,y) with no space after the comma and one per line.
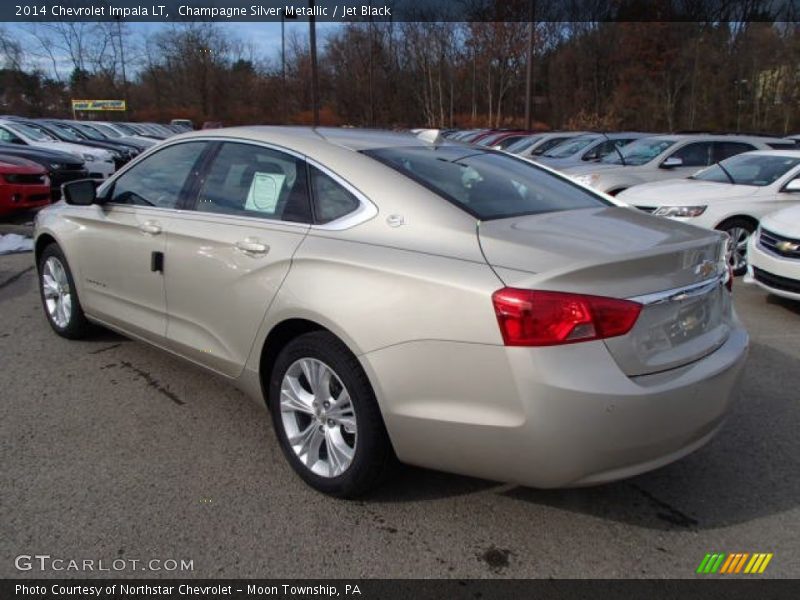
(254,181)
(697,154)
(158,179)
(8,137)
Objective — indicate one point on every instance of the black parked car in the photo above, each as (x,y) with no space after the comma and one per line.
(61,166)
(68,132)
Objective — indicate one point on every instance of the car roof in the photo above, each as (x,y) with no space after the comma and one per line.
(716,137)
(784,153)
(305,139)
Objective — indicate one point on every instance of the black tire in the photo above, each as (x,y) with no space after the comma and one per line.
(77,326)
(373,455)
(732,227)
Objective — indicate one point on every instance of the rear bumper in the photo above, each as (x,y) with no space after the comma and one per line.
(547,417)
(779,276)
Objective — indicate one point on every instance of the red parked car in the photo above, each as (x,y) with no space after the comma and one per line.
(23,185)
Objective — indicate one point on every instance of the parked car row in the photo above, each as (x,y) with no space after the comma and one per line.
(725,182)
(55,151)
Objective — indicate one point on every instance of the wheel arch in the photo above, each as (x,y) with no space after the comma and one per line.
(743,217)
(276,340)
(44,240)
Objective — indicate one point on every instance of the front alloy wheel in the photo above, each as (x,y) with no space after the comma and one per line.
(56,292)
(59,296)
(739,231)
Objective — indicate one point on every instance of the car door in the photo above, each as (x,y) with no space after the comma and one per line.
(123,240)
(226,259)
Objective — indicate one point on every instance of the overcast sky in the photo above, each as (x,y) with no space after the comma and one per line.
(266,38)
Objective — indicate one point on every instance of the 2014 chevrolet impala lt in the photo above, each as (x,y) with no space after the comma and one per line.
(390,296)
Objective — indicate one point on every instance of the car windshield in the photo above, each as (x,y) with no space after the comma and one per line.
(639,152)
(67,133)
(548,144)
(505,143)
(570,147)
(126,128)
(31,133)
(488,185)
(106,130)
(88,131)
(487,141)
(748,169)
(523,144)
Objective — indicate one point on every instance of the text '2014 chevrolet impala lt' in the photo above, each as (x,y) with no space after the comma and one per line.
(389,296)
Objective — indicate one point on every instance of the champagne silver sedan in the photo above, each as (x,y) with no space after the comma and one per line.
(396,297)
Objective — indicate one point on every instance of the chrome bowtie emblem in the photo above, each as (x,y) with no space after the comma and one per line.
(705,269)
(786,246)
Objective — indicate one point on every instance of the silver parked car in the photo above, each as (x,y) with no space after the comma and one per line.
(586,149)
(537,144)
(389,295)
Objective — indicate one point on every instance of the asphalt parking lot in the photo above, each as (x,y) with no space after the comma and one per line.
(112,449)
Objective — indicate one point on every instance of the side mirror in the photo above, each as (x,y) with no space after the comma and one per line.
(672,162)
(82,192)
(18,141)
(792,186)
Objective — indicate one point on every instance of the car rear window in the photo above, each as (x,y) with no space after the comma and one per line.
(487,184)
(749,169)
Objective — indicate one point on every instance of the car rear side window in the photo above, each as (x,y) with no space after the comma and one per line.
(488,185)
(254,181)
(723,150)
(158,179)
(331,200)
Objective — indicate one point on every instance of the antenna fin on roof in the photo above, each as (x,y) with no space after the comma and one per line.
(431,136)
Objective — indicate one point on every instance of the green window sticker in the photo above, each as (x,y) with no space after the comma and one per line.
(265,189)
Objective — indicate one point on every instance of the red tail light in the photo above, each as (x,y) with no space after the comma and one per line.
(540,318)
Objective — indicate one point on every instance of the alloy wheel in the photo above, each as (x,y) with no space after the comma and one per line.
(738,249)
(318,417)
(57,293)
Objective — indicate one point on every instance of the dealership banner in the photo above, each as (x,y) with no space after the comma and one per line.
(400,10)
(408,589)
(98,105)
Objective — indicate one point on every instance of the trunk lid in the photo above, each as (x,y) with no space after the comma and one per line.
(675,270)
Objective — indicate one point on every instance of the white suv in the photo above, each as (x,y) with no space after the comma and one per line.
(660,157)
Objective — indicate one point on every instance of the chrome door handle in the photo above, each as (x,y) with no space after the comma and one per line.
(150,227)
(251,246)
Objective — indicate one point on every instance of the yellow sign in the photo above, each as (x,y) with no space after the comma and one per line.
(98,105)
